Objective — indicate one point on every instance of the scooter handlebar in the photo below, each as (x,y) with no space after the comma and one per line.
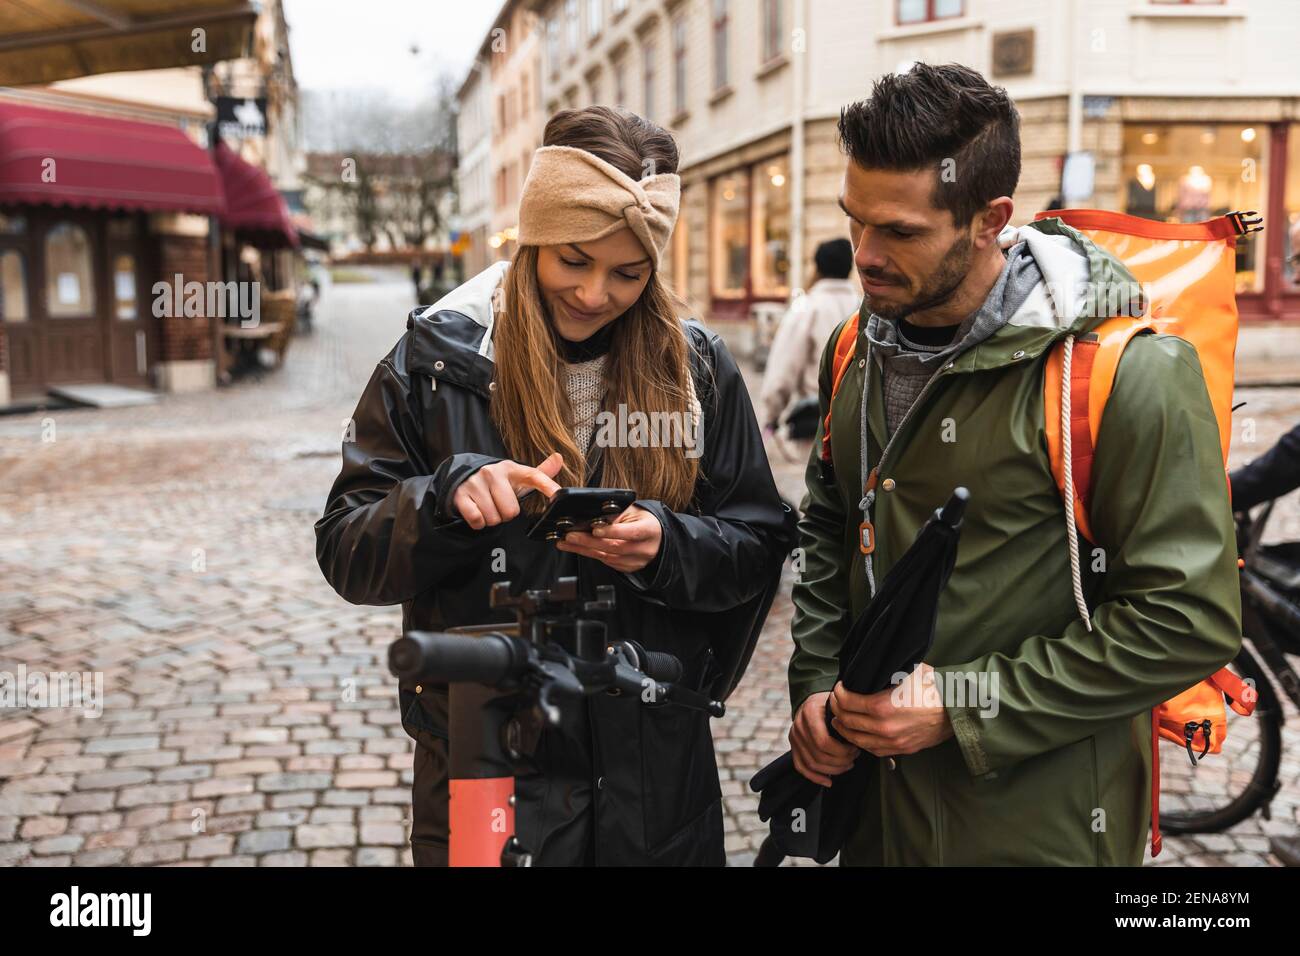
(489,659)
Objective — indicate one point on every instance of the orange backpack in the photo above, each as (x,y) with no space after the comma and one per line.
(1187,277)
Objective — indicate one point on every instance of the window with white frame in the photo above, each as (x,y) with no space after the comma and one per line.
(721,30)
(922,11)
(553,44)
(773,29)
(679,65)
(571,27)
(619,69)
(648,79)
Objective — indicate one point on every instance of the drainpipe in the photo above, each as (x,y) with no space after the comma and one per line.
(798,95)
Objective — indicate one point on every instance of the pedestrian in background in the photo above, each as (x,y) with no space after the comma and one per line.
(791,373)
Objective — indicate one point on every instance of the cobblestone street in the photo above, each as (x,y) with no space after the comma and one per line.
(248,715)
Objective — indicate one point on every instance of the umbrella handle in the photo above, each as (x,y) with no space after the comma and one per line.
(830,727)
(952,513)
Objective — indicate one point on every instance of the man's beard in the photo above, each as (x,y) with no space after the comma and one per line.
(938,288)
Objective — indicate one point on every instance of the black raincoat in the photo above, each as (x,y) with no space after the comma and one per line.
(618,783)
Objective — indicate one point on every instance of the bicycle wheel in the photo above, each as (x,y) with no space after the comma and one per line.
(1229,786)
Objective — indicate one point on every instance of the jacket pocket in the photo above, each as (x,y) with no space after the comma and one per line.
(1040,811)
(424,716)
(698,843)
(679,775)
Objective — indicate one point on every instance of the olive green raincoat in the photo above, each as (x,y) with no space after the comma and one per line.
(1050,759)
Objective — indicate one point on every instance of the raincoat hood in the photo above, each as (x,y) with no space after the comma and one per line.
(1082,287)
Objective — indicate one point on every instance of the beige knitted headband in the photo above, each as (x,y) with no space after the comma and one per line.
(571,195)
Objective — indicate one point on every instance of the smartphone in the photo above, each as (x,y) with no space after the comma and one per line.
(580,509)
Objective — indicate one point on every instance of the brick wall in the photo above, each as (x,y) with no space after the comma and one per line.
(184,338)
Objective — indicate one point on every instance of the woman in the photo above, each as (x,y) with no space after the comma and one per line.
(498,389)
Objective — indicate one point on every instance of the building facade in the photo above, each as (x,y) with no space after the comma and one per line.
(1172,110)
(474,179)
(86,236)
(512,51)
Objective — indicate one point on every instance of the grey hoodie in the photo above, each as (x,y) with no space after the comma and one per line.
(905,367)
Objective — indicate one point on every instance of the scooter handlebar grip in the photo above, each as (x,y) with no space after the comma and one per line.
(490,659)
(661,666)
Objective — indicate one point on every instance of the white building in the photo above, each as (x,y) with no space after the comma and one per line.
(474,168)
(1187,108)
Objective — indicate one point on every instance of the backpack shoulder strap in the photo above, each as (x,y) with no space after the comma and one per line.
(1094,363)
(845,345)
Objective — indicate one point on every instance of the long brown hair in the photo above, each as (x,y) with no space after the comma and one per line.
(647,368)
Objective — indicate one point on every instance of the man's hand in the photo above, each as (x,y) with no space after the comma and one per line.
(490,496)
(818,755)
(627,544)
(901,720)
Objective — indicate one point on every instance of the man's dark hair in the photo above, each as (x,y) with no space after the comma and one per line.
(919,119)
(834,258)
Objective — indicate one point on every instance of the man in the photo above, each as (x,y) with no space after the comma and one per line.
(791,372)
(1272,475)
(1025,737)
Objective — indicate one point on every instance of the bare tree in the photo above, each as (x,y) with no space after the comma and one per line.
(404,159)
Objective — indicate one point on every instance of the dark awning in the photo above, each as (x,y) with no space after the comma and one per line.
(75,159)
(56,39)
(254,207)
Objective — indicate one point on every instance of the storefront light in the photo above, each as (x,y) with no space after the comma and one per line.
(1248,134)
(1199,179)
(1150,138)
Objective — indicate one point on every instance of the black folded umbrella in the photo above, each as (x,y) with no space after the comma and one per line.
(893,635)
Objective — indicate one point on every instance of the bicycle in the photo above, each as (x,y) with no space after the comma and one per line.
(1213,796)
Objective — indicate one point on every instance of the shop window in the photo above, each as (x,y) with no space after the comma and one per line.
(730,217)
(121,228)
(69,275)
(772,228)
(124,295)
(12,225)
(1291,206)
(13,287)
(1188,172)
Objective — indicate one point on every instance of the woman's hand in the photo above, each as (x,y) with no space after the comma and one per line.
(628,544)
(490,496)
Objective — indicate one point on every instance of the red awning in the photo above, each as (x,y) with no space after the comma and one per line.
(75,159)
(254,206)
